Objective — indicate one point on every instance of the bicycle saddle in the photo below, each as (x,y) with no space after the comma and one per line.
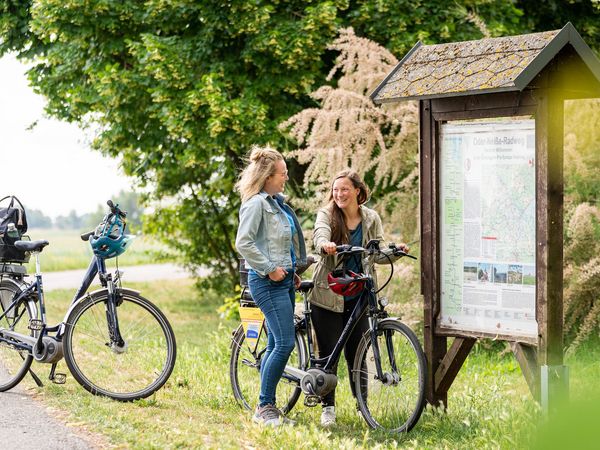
(31,246)
(305,286)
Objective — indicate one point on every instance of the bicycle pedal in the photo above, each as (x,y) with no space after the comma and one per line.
(59,378)
(36,324)
(311,400)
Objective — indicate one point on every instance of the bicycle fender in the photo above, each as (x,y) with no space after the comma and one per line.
(389,319)
(21,286)
(94,294)
(234,334)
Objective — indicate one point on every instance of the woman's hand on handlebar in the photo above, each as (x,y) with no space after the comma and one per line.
(403,247)
(278,274)
(329,248)
(401,250)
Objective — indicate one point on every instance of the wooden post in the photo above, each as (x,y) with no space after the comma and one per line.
(451,364)
(435,346)
(549,237)
(526,356)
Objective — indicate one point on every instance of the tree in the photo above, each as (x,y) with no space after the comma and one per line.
(180,90)
(71,221)
(37,219)
(348,130)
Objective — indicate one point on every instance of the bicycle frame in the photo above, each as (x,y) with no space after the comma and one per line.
(367,303)
(97,266)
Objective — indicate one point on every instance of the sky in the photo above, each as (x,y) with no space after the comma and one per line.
(50,168)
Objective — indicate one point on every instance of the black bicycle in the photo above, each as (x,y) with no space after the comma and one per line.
(115,342)
(389,372)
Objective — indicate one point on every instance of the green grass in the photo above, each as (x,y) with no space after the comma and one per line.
(67,251)
(489,403)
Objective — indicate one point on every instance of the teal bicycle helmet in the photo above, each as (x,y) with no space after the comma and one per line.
(109,238)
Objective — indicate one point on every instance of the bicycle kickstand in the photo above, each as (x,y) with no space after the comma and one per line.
(36,378)
(57,378)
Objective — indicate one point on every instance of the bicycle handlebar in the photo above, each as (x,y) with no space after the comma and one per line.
(115,209)
(86,236)
(346,249)
(310,260)
(372,248)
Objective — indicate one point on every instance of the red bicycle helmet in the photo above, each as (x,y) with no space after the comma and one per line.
(346,283)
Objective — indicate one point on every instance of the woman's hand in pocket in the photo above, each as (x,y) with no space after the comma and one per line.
(278,274)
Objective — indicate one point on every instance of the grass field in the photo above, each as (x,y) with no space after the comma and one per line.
(489,404)
(67,251)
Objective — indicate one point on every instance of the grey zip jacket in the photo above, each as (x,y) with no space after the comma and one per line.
(264,237)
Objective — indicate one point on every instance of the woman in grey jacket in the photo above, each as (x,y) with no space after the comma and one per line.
(345,220)
(270,239)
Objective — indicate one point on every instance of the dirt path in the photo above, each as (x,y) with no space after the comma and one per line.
(26,424)
(71,279)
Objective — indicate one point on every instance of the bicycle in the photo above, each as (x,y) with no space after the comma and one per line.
(115,342)
(389,384)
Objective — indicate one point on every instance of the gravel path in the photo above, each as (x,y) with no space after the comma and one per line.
(71,279)
(26,424)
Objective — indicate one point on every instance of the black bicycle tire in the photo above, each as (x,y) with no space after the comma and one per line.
(363,347)
(83,380)
(29,359)
(237,344)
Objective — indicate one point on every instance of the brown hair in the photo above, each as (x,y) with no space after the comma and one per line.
(339,229)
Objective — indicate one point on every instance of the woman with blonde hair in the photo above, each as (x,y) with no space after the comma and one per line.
(345,220)
(270,239)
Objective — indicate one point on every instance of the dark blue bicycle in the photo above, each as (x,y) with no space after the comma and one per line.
(115,342)
(389,370)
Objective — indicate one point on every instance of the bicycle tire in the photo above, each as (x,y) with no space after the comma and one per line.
(396,404)
(14,363)
(244,371)
(132,372)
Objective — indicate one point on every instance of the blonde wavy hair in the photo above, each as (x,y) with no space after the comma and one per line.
(260,166)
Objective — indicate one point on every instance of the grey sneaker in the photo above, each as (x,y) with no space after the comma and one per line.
(328,416)
(271,416)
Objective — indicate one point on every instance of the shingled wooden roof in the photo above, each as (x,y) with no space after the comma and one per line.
(478,67)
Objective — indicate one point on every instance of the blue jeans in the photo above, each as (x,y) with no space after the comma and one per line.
(276,301)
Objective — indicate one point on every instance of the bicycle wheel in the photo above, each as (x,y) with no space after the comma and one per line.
(14,362)
(396,402)
(244,371)
(133,371)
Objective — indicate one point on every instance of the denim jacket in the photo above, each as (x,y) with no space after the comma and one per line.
(264,236)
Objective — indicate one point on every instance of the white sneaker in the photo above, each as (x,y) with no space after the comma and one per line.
(328,416)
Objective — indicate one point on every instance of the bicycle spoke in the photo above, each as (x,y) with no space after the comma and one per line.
(394,402)
(133,370)
(14,361)
(245,375)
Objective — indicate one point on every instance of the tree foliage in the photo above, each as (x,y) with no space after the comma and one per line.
(37,219)
(348,130)
(582,220)
(179,90)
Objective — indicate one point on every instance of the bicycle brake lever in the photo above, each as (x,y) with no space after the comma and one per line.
(401,253)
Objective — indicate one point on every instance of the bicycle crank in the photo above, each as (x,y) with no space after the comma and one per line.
(317,382)
(311,400)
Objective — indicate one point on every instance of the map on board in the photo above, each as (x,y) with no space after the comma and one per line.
(487,205)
